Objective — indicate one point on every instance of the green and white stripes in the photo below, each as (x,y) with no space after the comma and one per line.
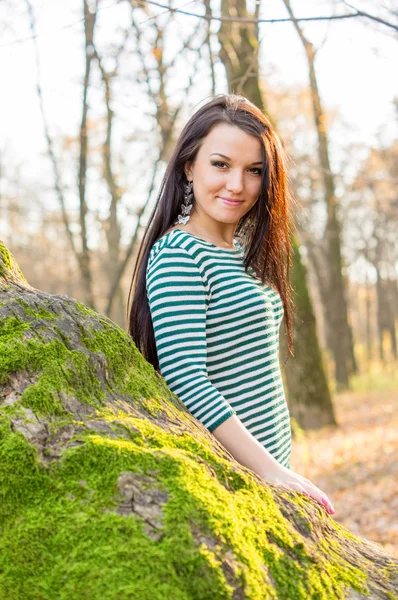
(216,331)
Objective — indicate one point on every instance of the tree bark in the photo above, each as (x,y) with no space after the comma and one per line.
(310,403)
(239,46)
(111,489)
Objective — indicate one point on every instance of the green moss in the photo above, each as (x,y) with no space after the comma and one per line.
(61,534)
(40,313)
(12,329)
(6,256)
(59,369)
(84,310)
(61,335)
(157,437)
(62,538)
(127,369)
(7,264)
(22,481)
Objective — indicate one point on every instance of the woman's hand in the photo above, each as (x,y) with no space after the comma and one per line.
(281,474)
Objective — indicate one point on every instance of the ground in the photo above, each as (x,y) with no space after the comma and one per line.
(356,464)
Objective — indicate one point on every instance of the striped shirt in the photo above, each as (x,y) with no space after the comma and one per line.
(216,330)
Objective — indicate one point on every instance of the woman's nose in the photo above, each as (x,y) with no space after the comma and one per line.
(235,181)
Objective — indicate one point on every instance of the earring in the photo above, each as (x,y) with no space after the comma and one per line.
(186,206)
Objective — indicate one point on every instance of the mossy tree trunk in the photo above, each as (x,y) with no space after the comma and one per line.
(307,386)
(111,489)
(310,404)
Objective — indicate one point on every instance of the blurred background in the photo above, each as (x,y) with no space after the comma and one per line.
(94,94)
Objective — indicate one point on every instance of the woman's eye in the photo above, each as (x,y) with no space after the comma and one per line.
(219,163)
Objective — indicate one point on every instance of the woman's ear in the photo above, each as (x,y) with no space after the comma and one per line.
(188,170)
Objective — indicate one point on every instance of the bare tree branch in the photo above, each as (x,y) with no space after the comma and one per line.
(186,46)
(361,13)
(211,17)
(51,31)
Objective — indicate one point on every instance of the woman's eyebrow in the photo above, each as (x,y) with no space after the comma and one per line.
(259,162)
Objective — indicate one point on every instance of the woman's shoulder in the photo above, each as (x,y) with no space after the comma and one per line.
(171,241)
(169,238)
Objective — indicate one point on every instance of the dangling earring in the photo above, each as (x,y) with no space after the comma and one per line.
(186,206)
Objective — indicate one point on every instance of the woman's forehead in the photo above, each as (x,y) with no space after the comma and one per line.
(231,142)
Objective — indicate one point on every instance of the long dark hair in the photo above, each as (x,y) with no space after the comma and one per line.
(264,231)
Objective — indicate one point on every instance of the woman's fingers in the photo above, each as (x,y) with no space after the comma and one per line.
(301,484)
(297,486)
(324,500)
(311,490)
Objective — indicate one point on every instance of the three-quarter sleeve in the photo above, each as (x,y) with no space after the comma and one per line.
(177,300)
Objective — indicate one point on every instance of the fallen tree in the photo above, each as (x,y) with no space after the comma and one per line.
(110,490)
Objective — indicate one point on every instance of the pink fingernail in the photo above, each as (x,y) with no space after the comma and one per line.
(324,501)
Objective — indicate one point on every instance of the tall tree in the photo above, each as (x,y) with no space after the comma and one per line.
(335,303)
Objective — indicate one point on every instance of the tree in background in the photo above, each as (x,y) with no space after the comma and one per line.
(331,282)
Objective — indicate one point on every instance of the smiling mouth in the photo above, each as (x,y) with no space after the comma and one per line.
(231,201)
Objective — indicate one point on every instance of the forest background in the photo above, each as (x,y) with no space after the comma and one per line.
(94,95)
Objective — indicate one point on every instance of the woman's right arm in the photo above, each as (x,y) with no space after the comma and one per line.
(244,447)
(177,302)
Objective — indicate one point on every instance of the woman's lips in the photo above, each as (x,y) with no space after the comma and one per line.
(230,202)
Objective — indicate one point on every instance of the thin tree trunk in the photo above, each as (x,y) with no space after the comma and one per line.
(380,313)
(392,297)
(89,23)
(336,305)
(239,47)
(111,224)
(368,322)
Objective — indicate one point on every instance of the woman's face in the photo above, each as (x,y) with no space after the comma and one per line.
(227,167)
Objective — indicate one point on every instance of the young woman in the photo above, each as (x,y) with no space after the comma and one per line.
(211,285)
